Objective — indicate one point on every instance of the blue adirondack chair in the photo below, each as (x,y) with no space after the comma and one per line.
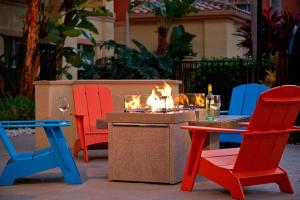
(243,101)
(25,164)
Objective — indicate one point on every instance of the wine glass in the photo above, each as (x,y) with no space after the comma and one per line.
(216,104)
(63,105)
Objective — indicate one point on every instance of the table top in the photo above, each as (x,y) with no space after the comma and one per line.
(160,118)
(223,121)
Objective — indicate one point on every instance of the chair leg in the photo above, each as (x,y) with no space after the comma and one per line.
(77,148)
(285,184)
(7,177)
(236,191)
(85,154)
(194,159)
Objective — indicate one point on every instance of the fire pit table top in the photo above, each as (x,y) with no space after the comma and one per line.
(169,117)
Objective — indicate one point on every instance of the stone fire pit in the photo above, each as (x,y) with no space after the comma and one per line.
(148,147)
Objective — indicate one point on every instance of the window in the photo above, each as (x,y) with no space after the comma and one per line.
(245,6)
(9,50)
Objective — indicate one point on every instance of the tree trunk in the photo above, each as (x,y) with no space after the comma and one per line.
(254,28)
(31,64)
(162,43)
(163,27)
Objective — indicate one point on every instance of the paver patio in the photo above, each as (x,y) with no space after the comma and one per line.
(50,185)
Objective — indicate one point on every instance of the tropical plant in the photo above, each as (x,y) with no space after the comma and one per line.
(180,44)
(270,78)
(166,12)
(245,32)
(128,63)
(287,22)
(276,31)
(73,22)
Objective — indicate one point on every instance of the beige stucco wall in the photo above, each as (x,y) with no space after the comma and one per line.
(47,93)
(214,35)
(233,40)
(219,39)
(11,14)
(144,33)
(107,29)
(196,28)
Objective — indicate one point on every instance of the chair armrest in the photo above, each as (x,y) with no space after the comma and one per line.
(101,124)
(296,127)
(290,130)
(214,130)
(224,112)
(35,123)
(78,114)
(244,123)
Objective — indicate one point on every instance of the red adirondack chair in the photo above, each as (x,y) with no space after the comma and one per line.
(91,102)
(257,160)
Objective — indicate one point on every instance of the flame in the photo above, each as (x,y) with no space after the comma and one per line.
(182,100)
(162,101)
(134,103)
(200,100)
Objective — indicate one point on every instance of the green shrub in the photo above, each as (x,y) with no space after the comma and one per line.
(16,108)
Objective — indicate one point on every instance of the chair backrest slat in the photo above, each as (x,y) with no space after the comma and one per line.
(244,98)
(94,101)
(237,99)
(263,152)
(93,105)
(250,98)
(80,105)
(106,101)
(7,143)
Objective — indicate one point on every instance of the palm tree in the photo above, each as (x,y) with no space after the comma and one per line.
(31,65)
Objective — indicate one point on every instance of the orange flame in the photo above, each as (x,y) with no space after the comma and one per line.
(133,102)
(181,100)
(200,100)
(162,101)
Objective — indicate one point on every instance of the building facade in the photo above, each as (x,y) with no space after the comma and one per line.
(214,26)
(12,15)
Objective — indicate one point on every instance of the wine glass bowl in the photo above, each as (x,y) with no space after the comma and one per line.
(216,104)
(63,105)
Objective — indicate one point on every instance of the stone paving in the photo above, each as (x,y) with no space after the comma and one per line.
(49,185)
